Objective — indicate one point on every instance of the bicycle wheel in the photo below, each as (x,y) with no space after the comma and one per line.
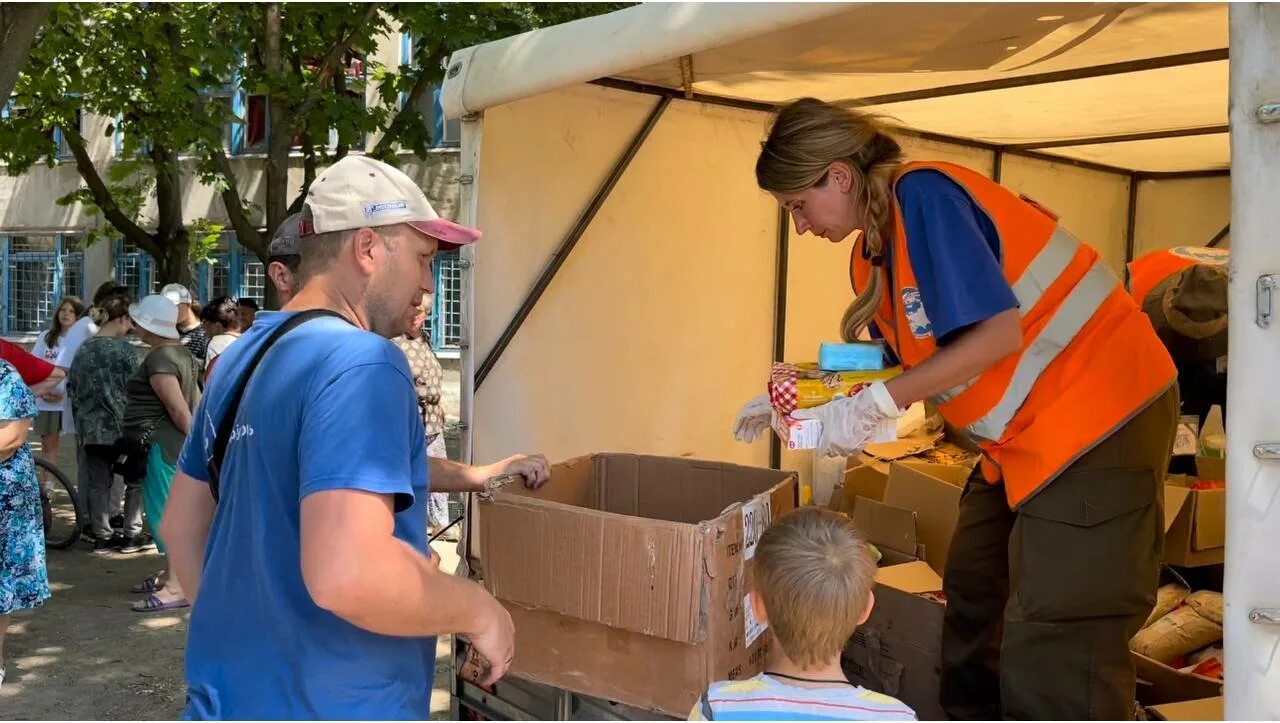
(61,506)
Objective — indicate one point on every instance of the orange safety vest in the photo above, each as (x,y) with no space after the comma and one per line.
(1089,360)
(1149,270)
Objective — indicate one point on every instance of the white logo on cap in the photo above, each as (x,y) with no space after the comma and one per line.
(375,209)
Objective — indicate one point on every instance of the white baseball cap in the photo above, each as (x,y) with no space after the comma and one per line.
(157,314)
(360,192)
(177,293)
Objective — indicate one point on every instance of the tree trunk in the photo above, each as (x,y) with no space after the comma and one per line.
(173,265)
(280,135)
(19,23)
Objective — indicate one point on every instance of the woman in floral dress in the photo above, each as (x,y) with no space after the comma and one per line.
(24,582)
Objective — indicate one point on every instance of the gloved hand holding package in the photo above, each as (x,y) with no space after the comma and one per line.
(851,423)
(804,386)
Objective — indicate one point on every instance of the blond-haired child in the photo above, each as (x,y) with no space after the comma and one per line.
(814,576)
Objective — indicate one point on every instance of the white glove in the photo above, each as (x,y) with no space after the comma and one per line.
(754,419)
(849,422)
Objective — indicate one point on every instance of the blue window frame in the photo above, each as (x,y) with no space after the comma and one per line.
(38,271)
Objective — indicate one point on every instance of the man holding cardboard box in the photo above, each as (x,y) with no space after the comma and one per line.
(1024,339)
(318,594)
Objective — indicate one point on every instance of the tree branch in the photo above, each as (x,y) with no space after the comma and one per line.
(102,197)
(333,59)
(420,86)
(246,233)
(19,25)
(308,173)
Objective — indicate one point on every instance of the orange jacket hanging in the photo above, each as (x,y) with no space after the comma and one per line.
(1089,360)
(1147,271)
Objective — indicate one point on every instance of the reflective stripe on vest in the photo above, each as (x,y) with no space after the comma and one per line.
(1039,275)
(1074,312)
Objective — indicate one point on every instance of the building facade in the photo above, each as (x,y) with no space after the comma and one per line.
(43,251)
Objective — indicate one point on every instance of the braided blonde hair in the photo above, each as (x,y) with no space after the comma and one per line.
(806,137)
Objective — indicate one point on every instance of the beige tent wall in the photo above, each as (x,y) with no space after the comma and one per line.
(1093,205)
(660,324)
(1181,212)
(670,290)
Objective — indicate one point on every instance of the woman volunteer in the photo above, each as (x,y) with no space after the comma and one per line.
(1023,338)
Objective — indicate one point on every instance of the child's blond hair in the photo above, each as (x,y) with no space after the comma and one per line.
(815,574)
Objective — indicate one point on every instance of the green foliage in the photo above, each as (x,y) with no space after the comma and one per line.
(156,68)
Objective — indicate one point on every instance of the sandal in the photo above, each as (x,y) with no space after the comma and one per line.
(153,604)
(150,585)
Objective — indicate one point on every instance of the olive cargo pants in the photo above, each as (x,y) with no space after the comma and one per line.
(1042,600)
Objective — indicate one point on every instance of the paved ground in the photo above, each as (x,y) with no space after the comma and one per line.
(86,655)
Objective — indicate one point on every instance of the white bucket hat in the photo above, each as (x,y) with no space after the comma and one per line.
(157,314)
(177,293)
(360,192)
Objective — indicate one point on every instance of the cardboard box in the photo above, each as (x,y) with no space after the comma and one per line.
(1203,709)
(898,651)
(1194,524)
(1211,468)
(913,509)
(626,575)
(1158,684)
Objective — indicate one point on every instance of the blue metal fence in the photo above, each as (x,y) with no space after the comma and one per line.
(38,270)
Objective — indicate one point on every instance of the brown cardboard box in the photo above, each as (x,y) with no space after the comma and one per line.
(898,651)
(1194,524)
(626,575)
(1158,684)
(1211,468)
(1203,709)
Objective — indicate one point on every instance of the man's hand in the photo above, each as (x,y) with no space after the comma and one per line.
(534,468)
(496,641)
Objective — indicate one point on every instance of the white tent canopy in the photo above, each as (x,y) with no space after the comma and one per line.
(1140,87)
(634,284)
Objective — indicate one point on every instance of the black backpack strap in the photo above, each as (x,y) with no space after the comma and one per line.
(228,423)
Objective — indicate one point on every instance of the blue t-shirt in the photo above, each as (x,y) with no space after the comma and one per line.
(330,407)
(955,254)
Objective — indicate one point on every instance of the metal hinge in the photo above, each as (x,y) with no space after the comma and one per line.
(1267,450)
(1265,301)
(1269,113)
(467,179)
(1265,616)
(464,263)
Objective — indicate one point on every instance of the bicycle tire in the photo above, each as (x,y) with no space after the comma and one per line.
(66,530)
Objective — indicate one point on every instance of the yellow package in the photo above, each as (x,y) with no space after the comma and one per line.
(804,386)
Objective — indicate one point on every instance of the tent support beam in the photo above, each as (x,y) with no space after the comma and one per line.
(1218,237)
(1131,224)
(1123,138)
(658,90)
(1056,76)
(570,242)
(997,164)
(780,316)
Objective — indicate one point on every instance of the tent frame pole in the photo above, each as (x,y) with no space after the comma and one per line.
(780,316)
(570,242)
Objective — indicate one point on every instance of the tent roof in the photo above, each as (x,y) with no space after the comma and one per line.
(1136,86)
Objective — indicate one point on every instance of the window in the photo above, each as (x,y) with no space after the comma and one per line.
(445,323)
(55,134)
(444,133)
(39,270)
(135,269)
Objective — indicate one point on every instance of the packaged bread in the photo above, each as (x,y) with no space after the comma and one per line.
(1180,632)
(1168,597)
(804,386)
(1207,603)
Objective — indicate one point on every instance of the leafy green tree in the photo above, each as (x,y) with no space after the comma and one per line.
(157,67)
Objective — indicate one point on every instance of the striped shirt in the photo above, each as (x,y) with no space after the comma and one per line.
(766,698)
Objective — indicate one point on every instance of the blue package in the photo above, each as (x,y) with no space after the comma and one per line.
(861,356)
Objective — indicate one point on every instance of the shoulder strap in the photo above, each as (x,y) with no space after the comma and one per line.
(225,427)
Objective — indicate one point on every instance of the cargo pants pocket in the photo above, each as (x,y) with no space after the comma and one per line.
(1088,546)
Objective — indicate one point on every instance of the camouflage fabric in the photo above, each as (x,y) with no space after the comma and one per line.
(96,386)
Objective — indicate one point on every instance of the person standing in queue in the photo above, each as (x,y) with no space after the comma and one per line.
(1026,341)
(314,592)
